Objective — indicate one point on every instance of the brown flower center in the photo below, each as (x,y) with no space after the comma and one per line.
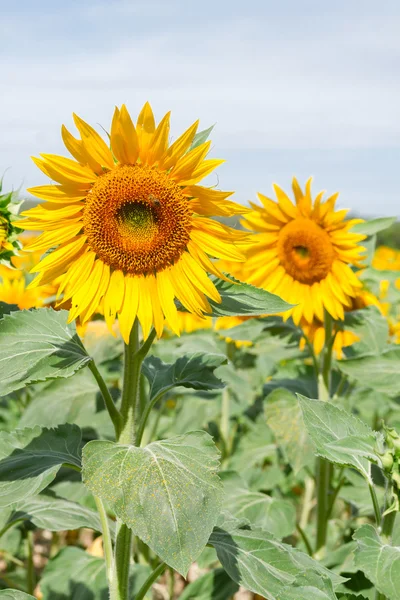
(305,250)
(137,219)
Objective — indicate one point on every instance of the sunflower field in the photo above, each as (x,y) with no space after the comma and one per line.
(199,399)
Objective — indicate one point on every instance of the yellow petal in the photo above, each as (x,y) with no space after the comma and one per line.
(78,151)
(70,168)
(159,142)
(179,147)
(145,130)
(62,254)
(94,143)
(128,312)
(145,311)
(204,168)
(55,174)
(196,274)
(114,297)
(57,193)
(166,295)
(130,135)
(186,165)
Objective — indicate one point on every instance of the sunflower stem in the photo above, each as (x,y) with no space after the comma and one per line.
(119,585)
(323,468)
(134,354)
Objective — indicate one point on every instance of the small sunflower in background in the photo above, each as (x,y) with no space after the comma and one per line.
(315,331)
(9,243)
(303,252)
(13,290)
(129,225)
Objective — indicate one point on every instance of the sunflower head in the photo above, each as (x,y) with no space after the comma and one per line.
(129,225)
(303,252)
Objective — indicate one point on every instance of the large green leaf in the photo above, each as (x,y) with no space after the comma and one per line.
(273,514)
(73,574)
(168,492)
(373,225)
(285,418)
(253,447)
(379,561)
(36,345)
(309,586)
(339,436)
(31,458)
(57,514)
(255,559)
(243,299)
(216,585)
(62,401)
(371,327)
(194,371)
(380,372)
(15,595)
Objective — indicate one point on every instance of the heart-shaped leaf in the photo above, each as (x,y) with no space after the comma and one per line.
(168,492)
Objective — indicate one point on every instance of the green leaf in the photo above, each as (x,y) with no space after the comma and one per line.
(15,595)
(243,299)
(37,345)
(168,492)
(62,401)
(31,458)
(339,436)
(274,515)
(255,559)
(308,586)
(285,418)
(194,371)
(380,372)
(379,561)
(252,448)
(216,585)
(374,225)
(57,514)
(247,331)
(371,327)
(201,137)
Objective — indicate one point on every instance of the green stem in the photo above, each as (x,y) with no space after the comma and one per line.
(375,504)
(107,543)
(30,571)
(10,524)
(305,539)
(323,471)
(134,355)
(131,385)
(225,419)
(150,580)
(336,491)
(171,584)
(387,530)
(146,412)
(119,586)
(108,400)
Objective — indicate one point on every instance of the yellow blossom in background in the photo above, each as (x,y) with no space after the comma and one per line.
(223,323)
(131,225)
(189,322)
(315,331)
(303,252)
(13,291)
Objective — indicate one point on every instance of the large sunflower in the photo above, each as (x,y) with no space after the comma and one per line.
(303,252)
(131,224)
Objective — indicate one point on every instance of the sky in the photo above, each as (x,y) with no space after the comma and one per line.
(293,87)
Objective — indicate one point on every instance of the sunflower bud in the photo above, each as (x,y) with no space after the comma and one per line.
(387,461)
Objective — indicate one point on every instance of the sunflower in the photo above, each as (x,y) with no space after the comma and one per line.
(315,331)
(131,225)
(303,252)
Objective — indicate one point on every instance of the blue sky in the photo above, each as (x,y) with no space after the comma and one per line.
(294,87)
